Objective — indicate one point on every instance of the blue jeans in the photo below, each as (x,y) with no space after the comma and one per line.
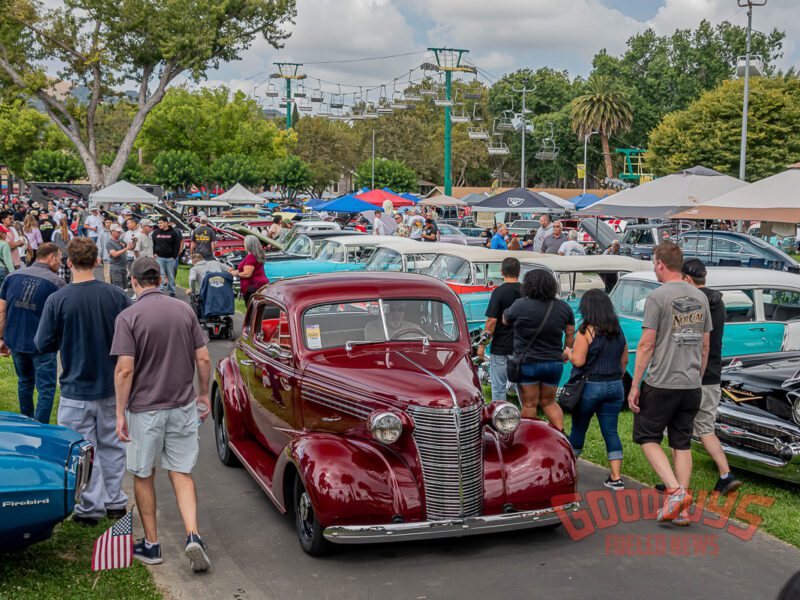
(498,376)
(37,371)
(546,372)
(603,398)
(167,274)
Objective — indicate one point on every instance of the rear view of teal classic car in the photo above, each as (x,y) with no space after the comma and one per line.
(43,471)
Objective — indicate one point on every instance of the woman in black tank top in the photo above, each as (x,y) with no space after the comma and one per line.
(600,344)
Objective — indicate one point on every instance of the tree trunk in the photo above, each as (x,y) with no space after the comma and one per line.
(606,155)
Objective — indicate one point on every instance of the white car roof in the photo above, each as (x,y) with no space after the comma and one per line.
(735,277)
(405,245)
(361,240)
(204,203)
(590,263)
(480,254)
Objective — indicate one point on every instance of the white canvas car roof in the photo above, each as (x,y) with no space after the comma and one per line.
(733,277)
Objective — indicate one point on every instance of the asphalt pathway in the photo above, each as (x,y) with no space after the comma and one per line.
(256,555)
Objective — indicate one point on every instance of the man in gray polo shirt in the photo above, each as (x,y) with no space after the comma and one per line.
(158,342)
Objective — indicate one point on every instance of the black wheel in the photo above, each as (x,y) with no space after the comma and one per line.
(308,527)
(224,451)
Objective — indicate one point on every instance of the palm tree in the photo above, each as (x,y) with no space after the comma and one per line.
(604,109)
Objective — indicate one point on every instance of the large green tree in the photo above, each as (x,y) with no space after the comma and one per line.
(179,169)
(54,165)
(230,169)
(707,132)
(212,123)
(105,43)
(22,131)
(392,174)
(329,148)
(292,175)
(665,73)
(602,108)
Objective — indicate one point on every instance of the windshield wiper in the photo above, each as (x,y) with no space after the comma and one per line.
(348,345)
(426,341)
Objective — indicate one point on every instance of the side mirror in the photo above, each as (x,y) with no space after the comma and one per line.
(268,329)
(625,251)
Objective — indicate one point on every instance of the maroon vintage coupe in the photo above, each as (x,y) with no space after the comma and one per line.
(352,401)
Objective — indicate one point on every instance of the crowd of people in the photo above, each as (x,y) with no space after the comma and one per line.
(676,379)
(116,389)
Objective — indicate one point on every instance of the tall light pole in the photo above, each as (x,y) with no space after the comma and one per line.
(288,71)
(743,147)
(449,61)
(523,91)
(585,157)
(373,159)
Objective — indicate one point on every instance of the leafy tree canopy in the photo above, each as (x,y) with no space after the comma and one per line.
(179,169)
(230,169)
(707,133)
(392,174)
(22,131)
(292,175)
(54,165)
(212,123)
(102,44)
(329,148)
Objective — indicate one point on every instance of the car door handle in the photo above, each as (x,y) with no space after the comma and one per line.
(758,329)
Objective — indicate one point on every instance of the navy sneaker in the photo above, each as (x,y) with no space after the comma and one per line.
(614,484)
(85,521)
(149,556)
(726,485)
(196,551)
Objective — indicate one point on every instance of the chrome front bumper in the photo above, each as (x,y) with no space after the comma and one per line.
(763,464)
(426,530)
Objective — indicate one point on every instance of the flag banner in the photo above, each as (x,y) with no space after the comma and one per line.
(114,549)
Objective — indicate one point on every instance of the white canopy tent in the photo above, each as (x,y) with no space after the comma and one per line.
(239,194)
(566,204)
(442,201)
(665,196)
(775,199)
(121,192)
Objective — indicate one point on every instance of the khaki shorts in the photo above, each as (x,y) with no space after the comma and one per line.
(707,415)
(171,432)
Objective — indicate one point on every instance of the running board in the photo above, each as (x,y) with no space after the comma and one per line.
(260,464)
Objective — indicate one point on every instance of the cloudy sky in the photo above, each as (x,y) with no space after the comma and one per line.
(502,35)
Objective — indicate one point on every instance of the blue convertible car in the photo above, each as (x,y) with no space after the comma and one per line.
(43,471)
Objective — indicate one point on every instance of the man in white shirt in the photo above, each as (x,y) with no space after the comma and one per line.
(378,226)
(13,238)
(416,223)
(572,247)
(144,242)
(545,229)
(93,224)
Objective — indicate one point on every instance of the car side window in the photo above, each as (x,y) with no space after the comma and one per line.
(739,306)
(273,327)
(781,305)
(727,246)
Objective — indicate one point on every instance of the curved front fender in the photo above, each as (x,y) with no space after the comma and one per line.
(353,481)
(528,468)
(229,381)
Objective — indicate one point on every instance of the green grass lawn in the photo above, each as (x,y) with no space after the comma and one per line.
(782,519)
(61,566)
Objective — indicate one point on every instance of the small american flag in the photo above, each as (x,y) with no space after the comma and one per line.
(114,549)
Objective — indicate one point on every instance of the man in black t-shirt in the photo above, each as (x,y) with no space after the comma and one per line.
(203,239)
(431,232)
(502,336)
(46,226)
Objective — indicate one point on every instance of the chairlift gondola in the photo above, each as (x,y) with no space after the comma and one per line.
(383,107)
(460,114)
(505,122)
(304,105)
(477,117)
(271,91)
(441,98)
(397,102)
(317,96)
(497,147)
(427,91)
(477,133)
(337,100)
(548,150)
(300,92)
(324,110)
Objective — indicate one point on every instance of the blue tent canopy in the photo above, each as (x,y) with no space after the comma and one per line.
(346,204)
(582,201)
(315,202)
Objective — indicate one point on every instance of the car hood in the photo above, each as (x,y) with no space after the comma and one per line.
(600,231)
(23,436)
(398,375)
(769,375)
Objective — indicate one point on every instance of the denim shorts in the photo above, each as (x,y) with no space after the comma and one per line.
(546,372)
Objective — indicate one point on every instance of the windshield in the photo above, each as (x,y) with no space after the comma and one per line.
(629,295)
(300,246)
(331,251)
(332,325)
(450,268)
(385,259)
(449,230)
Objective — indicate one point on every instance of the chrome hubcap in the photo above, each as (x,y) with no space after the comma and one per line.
(305,507)
(222,434)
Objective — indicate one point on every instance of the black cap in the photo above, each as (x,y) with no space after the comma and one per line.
(163,218)
(145,266)
(694,267)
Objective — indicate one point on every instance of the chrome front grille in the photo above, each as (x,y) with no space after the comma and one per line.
(450,447)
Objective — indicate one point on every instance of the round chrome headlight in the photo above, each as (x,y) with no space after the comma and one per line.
(506,418)
(385,427)
(796,410)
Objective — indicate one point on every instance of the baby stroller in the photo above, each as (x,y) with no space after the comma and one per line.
(215,305)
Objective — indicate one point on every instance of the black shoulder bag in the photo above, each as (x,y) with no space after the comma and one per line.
(571,393)
(514,362)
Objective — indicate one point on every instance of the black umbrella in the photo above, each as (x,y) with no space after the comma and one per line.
(518,200)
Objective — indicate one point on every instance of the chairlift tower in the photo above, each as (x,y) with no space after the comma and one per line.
(288,72)
(745,108)
(448,61)
(523,132)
